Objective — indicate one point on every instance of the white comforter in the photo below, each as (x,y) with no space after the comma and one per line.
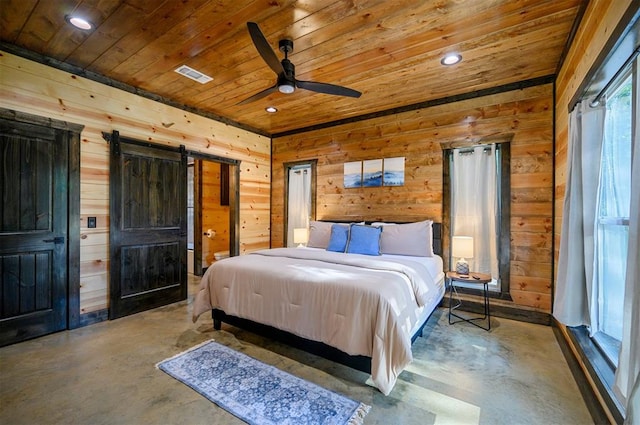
(360,304)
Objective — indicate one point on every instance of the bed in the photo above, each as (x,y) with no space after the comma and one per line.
(359,293)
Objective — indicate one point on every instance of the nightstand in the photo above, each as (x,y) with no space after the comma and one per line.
(473,278)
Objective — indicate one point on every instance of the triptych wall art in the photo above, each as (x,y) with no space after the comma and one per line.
(374,173)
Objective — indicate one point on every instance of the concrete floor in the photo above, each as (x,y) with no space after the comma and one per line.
(105,374)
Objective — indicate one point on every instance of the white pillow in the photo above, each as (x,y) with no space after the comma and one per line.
(319,234)
(407,239)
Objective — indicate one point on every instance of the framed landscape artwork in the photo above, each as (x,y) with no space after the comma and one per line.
(372,173)
(393,171)
(352,174)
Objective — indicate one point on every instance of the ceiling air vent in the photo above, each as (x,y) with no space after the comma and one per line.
(193,74)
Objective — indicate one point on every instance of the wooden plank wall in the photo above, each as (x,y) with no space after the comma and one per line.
(34,88)
(417,136)
(599,21)
(214,215)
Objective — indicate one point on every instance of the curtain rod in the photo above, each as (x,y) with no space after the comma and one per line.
(300,166)
(632,57)
(467,151)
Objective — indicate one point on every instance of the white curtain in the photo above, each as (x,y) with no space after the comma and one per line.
(633,406)
(474,204)
(627,375)
(299,208)
(576,302)
(574,296)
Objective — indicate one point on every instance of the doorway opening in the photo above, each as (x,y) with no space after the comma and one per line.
(212,210)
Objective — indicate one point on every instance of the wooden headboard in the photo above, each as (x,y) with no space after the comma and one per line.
(437,230)
(437,238)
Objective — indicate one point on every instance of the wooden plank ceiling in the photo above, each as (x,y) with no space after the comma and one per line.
(388,50)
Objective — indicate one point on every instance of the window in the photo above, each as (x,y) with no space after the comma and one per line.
(612,217)
(597,291)
(300,197)
(474,205)
(476,197)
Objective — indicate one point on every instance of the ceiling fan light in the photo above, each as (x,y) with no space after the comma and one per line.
(451,59)
(286,88)
(79,23)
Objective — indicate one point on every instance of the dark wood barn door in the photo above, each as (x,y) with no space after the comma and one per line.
(33,231)
(148,226)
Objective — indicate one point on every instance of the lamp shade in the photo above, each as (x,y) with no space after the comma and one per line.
(300,235)
(462,247)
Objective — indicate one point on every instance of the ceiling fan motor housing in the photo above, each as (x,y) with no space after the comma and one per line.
(287,81)
(286,85)
(286,46)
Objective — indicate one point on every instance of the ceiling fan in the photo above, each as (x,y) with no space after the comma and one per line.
(286,71)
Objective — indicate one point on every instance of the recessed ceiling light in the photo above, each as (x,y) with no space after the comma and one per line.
(271,109)
(78,22)
(451,59)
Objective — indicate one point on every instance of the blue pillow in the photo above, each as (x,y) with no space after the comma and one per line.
(339,237)
(364,240)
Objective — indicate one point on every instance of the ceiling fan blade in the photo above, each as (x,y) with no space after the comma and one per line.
(259,95)
(263,47)
(327,88)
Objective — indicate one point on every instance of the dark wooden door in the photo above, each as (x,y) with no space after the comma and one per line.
(148,226)
(33,231)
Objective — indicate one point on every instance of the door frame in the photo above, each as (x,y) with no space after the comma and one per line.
(73,204)
(234,205)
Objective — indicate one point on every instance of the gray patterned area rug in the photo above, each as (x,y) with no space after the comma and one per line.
(259,393)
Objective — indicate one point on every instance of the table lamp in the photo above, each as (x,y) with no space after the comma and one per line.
(462,247)
(300,236)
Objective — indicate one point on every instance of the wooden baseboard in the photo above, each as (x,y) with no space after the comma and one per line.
(97,316)
(589,384)
(475,305)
